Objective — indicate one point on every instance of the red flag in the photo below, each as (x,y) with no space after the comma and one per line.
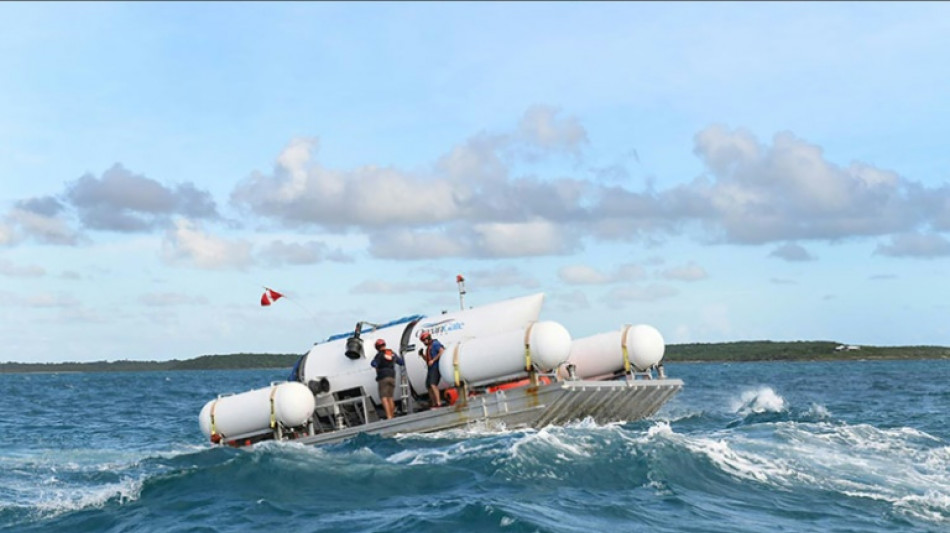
(270,296)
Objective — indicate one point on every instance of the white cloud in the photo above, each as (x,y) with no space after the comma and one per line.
(519,239)
(688,272)
(792,252)
(588,275)
(917,245)
(127,202)
(388,287)
(44,228)
(582,275)
(477,162)
(300,191)
(489,240)
(760,193)
(502,276)
(6,234)
(279,252)
(472,205)
(408,244)
(542,127)
(637,293)
(469,205)
(187,244)
(18,271)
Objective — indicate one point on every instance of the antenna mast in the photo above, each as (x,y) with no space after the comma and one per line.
(461,281)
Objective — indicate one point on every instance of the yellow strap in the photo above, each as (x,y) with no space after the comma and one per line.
(455,363)
(623,345)
(213,430)
(273,415)
(527,347)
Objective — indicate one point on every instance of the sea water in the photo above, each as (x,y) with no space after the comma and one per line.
(858,446)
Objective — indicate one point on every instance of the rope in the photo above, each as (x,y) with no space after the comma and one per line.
(273,415)
(626,353)
(527,347)
(214,430)
(455,363)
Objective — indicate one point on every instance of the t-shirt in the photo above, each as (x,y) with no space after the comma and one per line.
(434,350)
(385,364)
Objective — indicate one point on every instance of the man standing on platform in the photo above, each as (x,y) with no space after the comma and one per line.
(385,365)
(433,353)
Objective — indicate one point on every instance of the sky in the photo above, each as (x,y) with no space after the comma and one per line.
(721,171)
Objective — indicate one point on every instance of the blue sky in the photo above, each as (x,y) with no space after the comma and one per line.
(721,171)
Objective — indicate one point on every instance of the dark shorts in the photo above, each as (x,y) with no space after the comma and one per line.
(386,387)
(434,376)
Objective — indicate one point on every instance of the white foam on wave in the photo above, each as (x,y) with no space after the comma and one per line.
(552,438)
(51,502)
(746,462)
(818,411)
(761,400)
(443,455)
(742,458)
(660,429)
(682,415)
(97,459)
(526,445)
(932,506)
(567,442)
(895,465)
(50,483)
(588,423)
(476,429)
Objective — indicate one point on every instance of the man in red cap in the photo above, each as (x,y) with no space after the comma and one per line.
(433,353)
(385,365)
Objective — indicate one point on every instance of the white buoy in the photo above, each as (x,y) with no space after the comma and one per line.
(250,412)
(603,353)
(548,344)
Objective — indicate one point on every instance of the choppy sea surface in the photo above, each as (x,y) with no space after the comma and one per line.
(745,447)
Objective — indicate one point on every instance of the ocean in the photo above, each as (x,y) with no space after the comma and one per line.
(860,446)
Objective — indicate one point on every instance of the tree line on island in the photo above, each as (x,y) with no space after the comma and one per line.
(696,352)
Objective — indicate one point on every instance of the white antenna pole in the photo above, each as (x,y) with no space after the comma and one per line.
(461,281)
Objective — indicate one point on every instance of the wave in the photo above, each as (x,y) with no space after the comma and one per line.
(903,468)
(758,456)
(761,400)
(46,484)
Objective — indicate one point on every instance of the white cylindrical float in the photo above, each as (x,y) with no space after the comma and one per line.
(605,353)
(290,403)
(482,359)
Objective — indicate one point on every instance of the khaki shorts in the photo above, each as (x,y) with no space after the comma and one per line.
(386,387)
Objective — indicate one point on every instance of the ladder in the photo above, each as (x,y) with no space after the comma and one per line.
(405,395)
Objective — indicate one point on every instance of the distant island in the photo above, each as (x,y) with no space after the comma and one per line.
(675,353)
